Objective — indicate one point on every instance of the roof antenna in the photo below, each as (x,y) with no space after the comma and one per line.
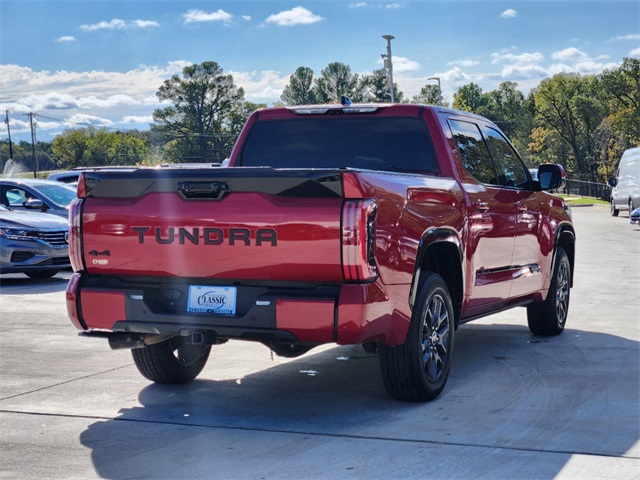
(346,101)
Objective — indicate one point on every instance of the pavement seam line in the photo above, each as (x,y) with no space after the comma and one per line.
(64,383)
(320,434)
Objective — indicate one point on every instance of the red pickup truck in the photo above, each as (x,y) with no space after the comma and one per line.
(381,225)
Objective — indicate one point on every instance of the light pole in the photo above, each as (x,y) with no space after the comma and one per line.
(388,64)
(439,88)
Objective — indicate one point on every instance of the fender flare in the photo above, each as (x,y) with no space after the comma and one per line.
(430,237)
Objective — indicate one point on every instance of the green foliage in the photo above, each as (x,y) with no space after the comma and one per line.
(97,147)
(430,95)
(300,90)
(470,99)
(206,112)
(337,80)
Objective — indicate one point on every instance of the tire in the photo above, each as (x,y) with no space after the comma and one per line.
(614,210)
(417,370)
(172,361)
(550,316)
(41,274)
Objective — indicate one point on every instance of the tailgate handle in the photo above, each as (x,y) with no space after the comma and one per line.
(209,190)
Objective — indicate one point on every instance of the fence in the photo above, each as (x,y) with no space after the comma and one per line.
(587,189)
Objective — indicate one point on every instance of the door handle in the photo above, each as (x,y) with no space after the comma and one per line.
(481,206)
(521,207)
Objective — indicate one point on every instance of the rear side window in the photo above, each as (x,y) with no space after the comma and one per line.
(511,170)
(375,143)
(473,151)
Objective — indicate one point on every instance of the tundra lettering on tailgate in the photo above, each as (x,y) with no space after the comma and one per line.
(209,235)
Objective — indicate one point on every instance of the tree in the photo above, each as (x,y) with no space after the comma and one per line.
(431,95)
(470,98)
(202,102)
(376,88)
(97,147)
(568,105)
(299,91)
(337,80)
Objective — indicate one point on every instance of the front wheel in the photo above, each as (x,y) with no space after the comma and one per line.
(172,361)
(614,210)
(417,370)
(549,317)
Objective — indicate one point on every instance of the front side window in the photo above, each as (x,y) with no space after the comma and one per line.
(511,170)
(473,151)
(374,143)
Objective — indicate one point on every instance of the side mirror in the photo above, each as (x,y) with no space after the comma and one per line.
(551,176)
(613,181)
(34,204)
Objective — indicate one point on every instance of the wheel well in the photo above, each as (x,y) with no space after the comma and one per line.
(567,241)
(443,258)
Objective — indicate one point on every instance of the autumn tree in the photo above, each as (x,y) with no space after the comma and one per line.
(568,105)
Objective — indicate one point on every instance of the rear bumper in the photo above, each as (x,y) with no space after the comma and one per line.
(310,314)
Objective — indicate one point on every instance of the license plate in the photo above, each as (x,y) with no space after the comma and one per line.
(207,299)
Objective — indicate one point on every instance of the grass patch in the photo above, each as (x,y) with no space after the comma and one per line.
(572,200)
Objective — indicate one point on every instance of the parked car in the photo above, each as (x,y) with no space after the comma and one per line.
(634,217)
(36,244)
(625,193)
(32,194)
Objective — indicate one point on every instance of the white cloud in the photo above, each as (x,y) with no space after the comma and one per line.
(358,5)
(509,13)
(66,39)
(261,87)
(632,36)
(115,24)
(295,16)
(137,119)
(455,75)
(246,17)
(395,6)
(402,64)
(118,24)
(569,54)
(198,16)
(463,63)
(517,59)
(517,72)
(635,52)
(92,120)
(145,23)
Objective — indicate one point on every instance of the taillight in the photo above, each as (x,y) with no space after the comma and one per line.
(358,240)
(75,235)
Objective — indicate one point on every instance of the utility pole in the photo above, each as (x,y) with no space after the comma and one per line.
(388,64)
(33,145)
(6,120)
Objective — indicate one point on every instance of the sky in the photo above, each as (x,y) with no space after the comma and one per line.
(100,62)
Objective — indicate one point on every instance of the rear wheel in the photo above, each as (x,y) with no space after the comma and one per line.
(417,371)
(171,361)
(549,317)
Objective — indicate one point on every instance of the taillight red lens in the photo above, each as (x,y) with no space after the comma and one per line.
(75,235)
(358,237)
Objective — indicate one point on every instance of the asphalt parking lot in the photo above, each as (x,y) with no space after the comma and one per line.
(516,406)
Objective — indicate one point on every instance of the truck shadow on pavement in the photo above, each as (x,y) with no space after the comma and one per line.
(527,404)
(19,284)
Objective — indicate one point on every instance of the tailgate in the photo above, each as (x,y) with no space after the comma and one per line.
(223,223)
